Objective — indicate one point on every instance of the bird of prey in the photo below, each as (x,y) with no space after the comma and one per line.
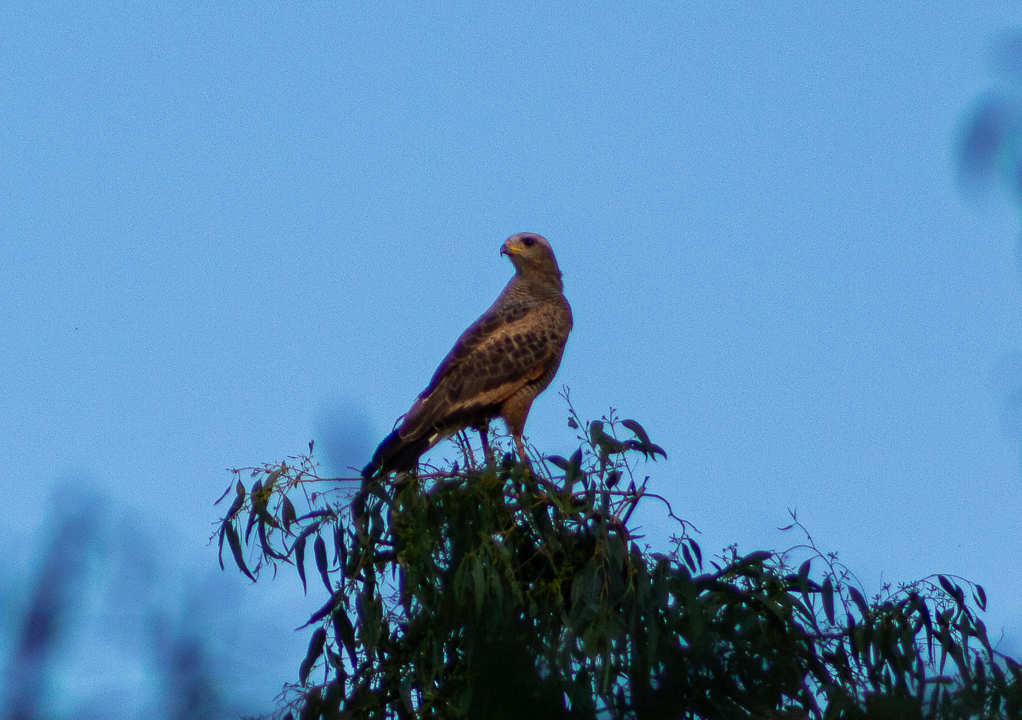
(496,368)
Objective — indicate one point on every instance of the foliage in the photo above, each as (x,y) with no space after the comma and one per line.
(499,591)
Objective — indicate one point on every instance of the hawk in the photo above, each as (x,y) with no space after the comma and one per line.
(496,368)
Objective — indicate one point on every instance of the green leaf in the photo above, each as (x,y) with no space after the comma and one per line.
(239,500)
(860,602)
(604,442)
(369,614)
(557,461)
(611,446)
(327,608)
(615,565)
(220,545)
(340,550)
(319,549)
(288,514)
(497,591)
(803,576)
(803,580)
(254,512)
(924,613)
(573,470)
(235,542)
(980,596)
(479,585)
(229,486)
(688,557)
(965,628)
(299,550)
(952,589)
(643,445)
(376,524)
(828,599)
(316,644)
(754,558)
(698,552)
(980,629)
(591,585)
(405,687)
(803,610)
(336,662)
(637,430)
(345,632)
(316,514)
(268,550)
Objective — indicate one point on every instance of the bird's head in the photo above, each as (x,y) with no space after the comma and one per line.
(532,257)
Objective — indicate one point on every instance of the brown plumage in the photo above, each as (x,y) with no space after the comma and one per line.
(496,368)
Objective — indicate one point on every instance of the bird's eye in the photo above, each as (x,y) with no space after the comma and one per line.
(528,241)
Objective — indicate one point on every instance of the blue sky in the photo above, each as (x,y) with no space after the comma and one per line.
(226,231)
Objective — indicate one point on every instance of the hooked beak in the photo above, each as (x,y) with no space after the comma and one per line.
(508,249)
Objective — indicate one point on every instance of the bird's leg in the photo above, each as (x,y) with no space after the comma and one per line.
(522,457)
(466,447)
(484,438)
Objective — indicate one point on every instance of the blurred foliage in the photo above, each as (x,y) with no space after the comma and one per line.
(506,592)
(989,146)
(989,157)
(95,634)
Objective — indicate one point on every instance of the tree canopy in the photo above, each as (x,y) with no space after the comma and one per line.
(508,591)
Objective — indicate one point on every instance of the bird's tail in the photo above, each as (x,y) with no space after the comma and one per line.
(395,454)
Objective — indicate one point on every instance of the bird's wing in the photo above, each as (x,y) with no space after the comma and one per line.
(492,360)
(503,314)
